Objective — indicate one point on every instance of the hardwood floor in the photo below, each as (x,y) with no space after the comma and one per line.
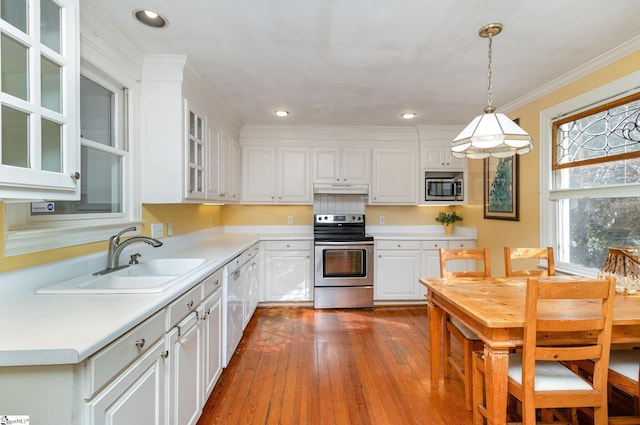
(296,365)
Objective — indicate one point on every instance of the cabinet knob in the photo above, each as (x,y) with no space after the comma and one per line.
(190,304)
(399,245)
(75,176)
(165,354)
(140,343)
(379,255)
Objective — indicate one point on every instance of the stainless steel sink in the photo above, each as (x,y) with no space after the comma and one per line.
(145,278)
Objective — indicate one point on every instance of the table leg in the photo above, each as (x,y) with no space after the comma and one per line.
(436,317)
(496,364)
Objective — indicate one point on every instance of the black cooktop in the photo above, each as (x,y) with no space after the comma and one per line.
(340,228)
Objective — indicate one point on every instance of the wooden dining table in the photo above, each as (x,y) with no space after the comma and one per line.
(493,308)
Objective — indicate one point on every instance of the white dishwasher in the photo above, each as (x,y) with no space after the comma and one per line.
(232,307)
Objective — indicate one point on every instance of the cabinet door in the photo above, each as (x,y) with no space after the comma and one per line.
(137,396)
(231,187)
(288,276)
(356,165)
(39,141)
(439,157)
(294,184)
(195,148)
(186,395)
(212,343)
(258,174)
(326,165)
(394,177)
(397,273)
(215,166)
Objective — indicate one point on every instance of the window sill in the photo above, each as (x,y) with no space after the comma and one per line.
(19,242)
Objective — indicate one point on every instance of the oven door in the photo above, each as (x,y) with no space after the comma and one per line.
(344,263)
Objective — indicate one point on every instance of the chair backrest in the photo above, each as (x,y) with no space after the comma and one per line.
(511,254)
(479,255)
(550,334)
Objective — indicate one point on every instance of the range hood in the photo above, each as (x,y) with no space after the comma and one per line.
(341,189)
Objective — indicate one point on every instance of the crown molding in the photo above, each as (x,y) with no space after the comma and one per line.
(613,55)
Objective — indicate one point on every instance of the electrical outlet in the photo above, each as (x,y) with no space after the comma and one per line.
(157,230)
(381,219)
(290,219)
(169,229)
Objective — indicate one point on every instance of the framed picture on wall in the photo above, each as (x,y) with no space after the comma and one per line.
(501,188)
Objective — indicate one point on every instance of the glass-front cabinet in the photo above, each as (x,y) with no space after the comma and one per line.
(39,86)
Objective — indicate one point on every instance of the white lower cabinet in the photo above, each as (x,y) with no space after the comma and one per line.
(288,271)
(397,270)
(401,263)
(185,371)
(212,334)
(136,396)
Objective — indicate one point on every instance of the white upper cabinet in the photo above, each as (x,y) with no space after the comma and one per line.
(394,177)
(438,156)
(178,116)
(276,175)
(39,97)
(224,168)
(435,148)
(341,165)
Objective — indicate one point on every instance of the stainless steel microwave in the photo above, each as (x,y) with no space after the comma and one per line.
(443,186)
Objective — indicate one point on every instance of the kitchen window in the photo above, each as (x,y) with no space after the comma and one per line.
(591,170)
(108,200)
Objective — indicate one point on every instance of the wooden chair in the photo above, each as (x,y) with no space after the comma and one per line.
(536,376)
(453,328)
(624,373)
(511,254)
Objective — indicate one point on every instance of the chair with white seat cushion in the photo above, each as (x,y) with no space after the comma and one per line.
(624,373)
(537,376)
(469,341)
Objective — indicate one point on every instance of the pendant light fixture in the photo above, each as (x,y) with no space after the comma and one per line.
(491,134)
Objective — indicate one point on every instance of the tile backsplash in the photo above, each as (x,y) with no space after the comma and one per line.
(338,204)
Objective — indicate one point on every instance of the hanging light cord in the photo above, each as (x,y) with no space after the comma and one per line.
(489,109)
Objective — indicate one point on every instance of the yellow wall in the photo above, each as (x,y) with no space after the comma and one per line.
(495,234)
(185,218)
(491,233)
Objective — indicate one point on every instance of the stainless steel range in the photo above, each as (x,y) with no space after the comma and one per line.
(343,262)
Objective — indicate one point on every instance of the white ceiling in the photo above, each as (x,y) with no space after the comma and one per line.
(364,62)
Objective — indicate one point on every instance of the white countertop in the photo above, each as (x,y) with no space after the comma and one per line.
(67,329)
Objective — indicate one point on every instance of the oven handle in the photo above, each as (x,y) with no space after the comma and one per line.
(344,243)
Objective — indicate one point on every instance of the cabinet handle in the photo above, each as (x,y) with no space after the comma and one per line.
(140,343)
(399,245)
(75,176)
(379,255)
(190,304)
(165,354)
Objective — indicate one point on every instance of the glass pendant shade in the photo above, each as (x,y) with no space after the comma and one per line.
(491,134)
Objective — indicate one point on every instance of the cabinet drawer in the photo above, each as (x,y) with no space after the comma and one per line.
(435,244)
(462,244)
(184,305)
(399,244)
(212,283)
(107,363)
(287,245)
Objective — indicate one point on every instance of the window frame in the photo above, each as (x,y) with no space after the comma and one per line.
(26,234)
(549,205)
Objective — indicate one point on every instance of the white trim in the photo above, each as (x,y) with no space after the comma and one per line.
(548,197)
(611,56)
(612,191)
(35,240)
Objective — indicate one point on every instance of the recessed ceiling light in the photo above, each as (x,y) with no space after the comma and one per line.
(150,18)
(282,113)
(408,115)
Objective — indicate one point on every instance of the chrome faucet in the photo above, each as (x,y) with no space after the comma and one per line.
(116,247)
